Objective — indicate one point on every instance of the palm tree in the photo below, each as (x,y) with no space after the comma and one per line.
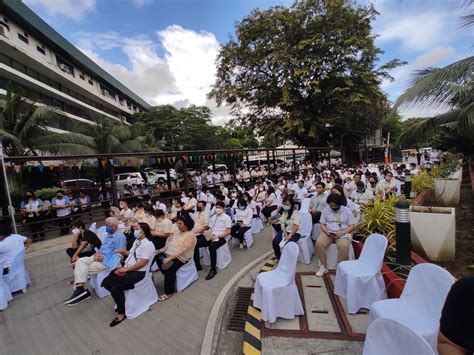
(24,126)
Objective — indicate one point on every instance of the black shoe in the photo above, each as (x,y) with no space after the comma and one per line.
(79,295)
(198,267)
(117,321)
(211,274)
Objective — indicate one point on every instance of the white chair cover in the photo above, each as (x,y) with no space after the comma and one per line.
(5,293)
(419,307)
(257,225)
(186,275)
(140,298)
(101,233)
(305,243)
(332,253)
(17,278)
(224,256)
(96,282)
(276,293)
(93,227)
(248,237)
(388,337)
(305,205)
(360,281)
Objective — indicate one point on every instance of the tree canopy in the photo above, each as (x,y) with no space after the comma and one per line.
(306,71)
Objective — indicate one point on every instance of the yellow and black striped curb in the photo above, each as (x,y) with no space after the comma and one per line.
(252,338)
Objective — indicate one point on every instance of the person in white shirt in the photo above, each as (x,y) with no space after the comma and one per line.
(336,227)
(209,198)
(386,186)
(60,203)
(243,217)
(125,212)
(133,271)
(10,246)
(361,195)
(271,202)
(190,204)
(413,169)
(317,202)
(30,209)
(219,227)
(300,191)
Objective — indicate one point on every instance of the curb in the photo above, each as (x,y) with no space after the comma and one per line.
(252,337)
(208,340)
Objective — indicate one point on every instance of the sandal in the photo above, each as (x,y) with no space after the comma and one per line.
(163,297)
(117,321)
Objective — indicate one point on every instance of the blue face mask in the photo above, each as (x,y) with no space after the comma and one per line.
(108,229)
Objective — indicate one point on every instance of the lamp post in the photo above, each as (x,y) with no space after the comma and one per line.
(407,189)
(402,232)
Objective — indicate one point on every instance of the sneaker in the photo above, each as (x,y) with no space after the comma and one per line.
(241,246)
(78,292)
(85,296)
(322,270)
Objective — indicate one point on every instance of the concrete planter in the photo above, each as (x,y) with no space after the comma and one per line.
(433,232)
(448,190)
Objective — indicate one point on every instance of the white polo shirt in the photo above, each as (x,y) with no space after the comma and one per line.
(336,221)
(141,249)
(219,222)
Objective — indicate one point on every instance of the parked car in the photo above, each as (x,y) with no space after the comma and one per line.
(155,176)
(89,187)
(126,178)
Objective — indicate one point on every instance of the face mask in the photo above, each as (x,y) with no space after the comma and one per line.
(335,209)
(208,193)
(219,210)
(242,207)
(76,232)
(108,229)
(285,207)
(183,195)
(137,233)
(234,195)
(261,189)
(60,197)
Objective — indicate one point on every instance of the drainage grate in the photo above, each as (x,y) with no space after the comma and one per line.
(237,322)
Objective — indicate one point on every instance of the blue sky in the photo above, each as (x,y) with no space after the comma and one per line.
(165,50)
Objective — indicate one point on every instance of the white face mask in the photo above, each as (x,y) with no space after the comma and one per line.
(242,207)
(219,210)
(137,233)
(76,232)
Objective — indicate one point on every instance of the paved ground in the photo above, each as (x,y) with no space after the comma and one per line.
(39,323)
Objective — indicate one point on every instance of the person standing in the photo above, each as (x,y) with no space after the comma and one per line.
(61,204)
(30,209)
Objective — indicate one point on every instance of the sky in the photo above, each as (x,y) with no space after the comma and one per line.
(165,50)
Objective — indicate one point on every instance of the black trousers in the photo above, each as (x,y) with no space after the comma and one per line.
(316,215)
(170,274)
(238,232)
(213,246)
(36,226)
(72,251)
(278,238)
(159,242)
(116,285)
(267,210)
(64,224)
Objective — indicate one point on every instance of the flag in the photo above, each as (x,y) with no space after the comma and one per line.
(79,164)
(41,167)
(29,167)
(61,167)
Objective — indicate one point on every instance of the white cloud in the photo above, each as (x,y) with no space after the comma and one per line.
(142,3)
(74,9)
(176,67)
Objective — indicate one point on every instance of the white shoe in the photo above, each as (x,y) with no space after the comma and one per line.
(322,270)
(241,246)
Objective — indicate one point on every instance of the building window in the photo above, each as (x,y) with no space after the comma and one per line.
(90,81)
(40,48)
(129,106)
(121,101)
(82,76)
(4,24)
(24,37)
(65,67)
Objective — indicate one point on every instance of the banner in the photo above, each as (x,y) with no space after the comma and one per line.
(17,168)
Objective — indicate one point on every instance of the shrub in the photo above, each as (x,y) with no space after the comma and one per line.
(422,181)
(48,191)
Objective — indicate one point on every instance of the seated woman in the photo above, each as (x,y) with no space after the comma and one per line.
(176,253)
(337,225)
(133,271)
(271,203)
(243,218)
(289,223)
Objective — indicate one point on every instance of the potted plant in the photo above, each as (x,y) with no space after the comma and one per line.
(447,181)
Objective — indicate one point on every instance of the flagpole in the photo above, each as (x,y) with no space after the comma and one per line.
(10,206)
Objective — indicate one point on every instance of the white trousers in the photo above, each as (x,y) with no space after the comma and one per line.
(87,266)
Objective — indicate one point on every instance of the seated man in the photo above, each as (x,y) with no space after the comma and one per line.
(219,228)
(318,202)
(201,224)
(84,242)
(10,246)
(361,195)
(105,258)
(336,227)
